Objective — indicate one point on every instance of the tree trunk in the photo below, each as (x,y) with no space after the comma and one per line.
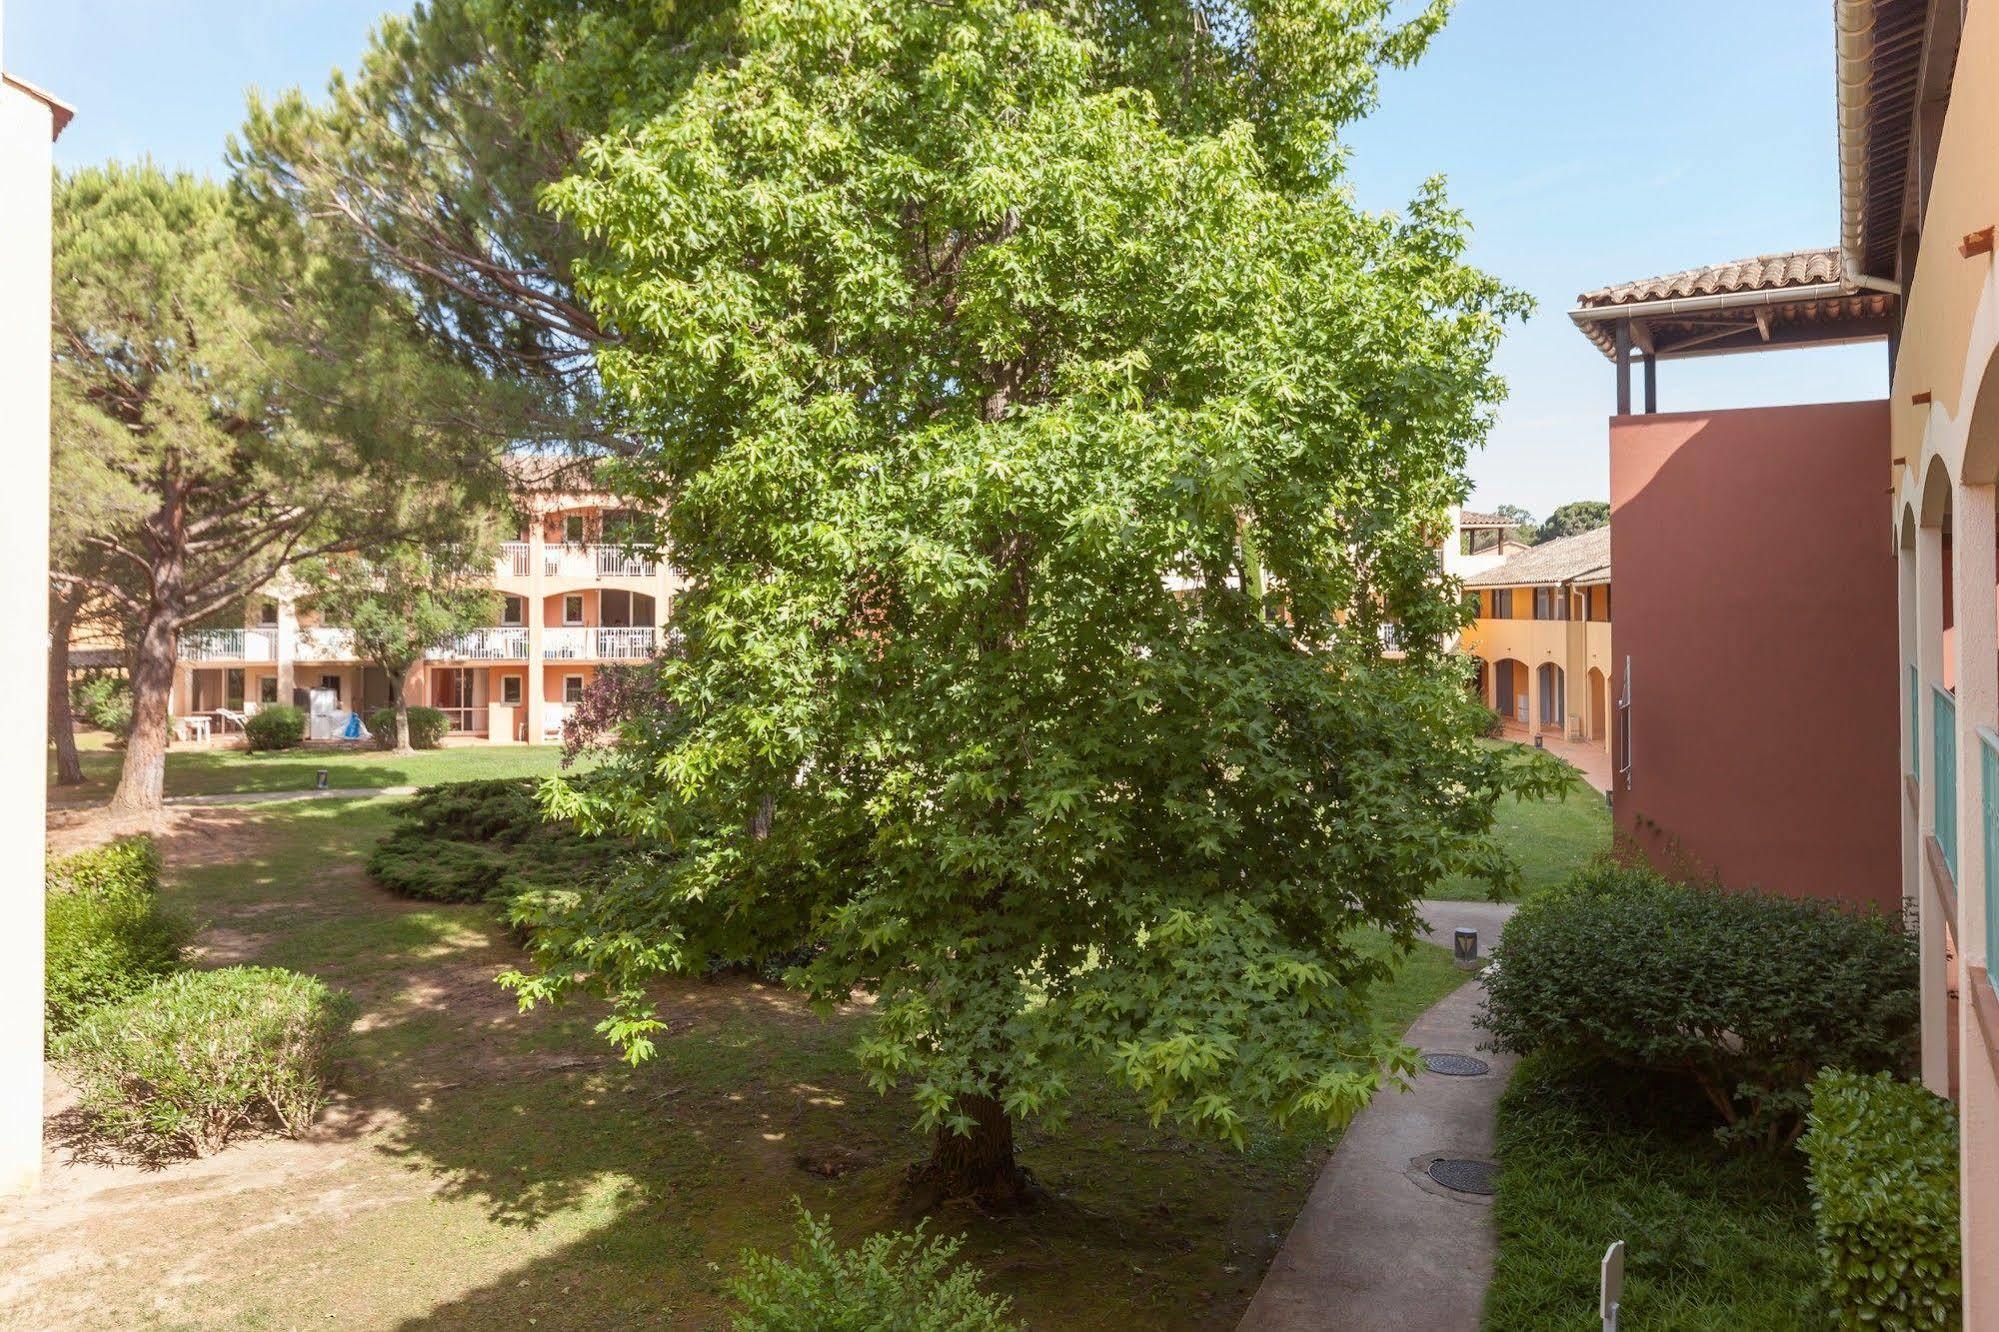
(402,707)
(979,1165)
(142,784)
(63,609)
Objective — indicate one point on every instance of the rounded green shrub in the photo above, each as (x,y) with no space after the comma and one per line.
(203,1056)
(900,1281)
(107,936)
(277,726)
(105,701)
(483,841)
(1749,995)
(428,727)
(1884,1187)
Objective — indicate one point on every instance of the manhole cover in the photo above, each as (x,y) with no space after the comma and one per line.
(1456,1065)
(1464,1176)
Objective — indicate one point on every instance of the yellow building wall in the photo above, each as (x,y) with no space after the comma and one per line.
(1534,642)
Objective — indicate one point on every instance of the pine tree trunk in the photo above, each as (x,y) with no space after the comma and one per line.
(63,608)
(979,1165)
(402,706)
(142,784)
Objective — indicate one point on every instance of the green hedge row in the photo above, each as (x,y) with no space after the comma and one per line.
(1747,995)
(482,841)
(108,937)
(276,726)
(1884,1187)
(428,727)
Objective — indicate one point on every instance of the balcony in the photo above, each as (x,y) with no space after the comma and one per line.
(251,645)
(323,644)
(500,644)
(614,643)
(576,562)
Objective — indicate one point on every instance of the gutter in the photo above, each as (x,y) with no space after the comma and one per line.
(1727,300)
(1853,23)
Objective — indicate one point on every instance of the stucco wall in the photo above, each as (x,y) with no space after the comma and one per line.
(1756,606)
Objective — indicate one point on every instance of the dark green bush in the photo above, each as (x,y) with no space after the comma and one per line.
(1748,995)
(482,841)
(105,701)
(892,1283)
(1885,1196)
(276,726)
(428,727)
(107,935)
(202,1056)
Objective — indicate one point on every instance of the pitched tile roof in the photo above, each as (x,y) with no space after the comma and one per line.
(1466,518)
(1765,272)
(1584,557)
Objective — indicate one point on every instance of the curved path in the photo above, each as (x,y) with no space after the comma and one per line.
(1378,1244)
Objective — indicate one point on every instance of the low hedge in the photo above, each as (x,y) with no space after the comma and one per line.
(903,1281)
(482,841)
(428,727)
(107,936)
(1748,995)
(276,726)
(203,1056)
(1884,1187)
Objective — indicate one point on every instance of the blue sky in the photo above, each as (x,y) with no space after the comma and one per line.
(1589,143)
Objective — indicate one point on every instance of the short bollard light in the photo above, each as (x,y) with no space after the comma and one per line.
(320,781)
(1464,946)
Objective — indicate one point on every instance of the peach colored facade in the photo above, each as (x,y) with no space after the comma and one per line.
(574,602)
(1942,460)
(1551,674)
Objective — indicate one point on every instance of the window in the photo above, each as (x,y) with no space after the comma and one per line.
(572,689)
(267,614)
(1502,603)
(510,690)
(232,688)
(572,608)
(513,611)
(572,529)
(267,689)
(331,682)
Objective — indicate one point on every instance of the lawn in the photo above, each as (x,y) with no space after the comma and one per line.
(1547,838)
(222,771)
(485,1167)
(1714,1239)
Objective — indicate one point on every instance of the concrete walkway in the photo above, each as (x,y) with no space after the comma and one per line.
(1379,1246)
(255,797)
(1586,757)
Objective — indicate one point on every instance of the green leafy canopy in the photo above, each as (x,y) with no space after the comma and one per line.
(973,358)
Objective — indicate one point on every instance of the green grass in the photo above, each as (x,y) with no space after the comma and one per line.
(1715,1239)
(499,1168)
(230,771)
(1548,839)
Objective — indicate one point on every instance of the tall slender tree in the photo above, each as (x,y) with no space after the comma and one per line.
(980,353)
(193,373)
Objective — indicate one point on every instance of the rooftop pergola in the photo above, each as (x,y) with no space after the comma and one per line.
(1801,299)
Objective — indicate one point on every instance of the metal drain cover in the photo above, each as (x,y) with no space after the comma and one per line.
(1456,1065)
(1460,1176)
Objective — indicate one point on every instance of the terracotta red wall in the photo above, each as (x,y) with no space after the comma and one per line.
(1755,601)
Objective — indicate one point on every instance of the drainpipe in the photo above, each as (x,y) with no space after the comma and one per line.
(1853,21)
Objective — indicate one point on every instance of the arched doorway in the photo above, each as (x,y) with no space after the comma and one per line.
(1599,705)
(1509,689)
(1554,697)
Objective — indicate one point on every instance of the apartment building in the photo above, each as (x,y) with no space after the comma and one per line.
(1845,553)
(1542,637)
(573,600)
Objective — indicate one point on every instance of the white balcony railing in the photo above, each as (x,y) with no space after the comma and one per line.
(321,643)
(499,644)
(615,562)
(614,643)
(229,645)
(514,556)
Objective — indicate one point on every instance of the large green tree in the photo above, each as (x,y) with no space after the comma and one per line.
(974,349)
(230,407)
(402,600)
(1573,519)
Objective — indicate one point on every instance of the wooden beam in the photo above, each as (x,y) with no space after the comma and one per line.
(1641,336)
(1763,321)
(1918,399)
(1651,384)
(1624,367)
(1976,242)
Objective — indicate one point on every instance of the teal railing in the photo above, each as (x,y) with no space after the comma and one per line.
(1988,807)
(1915,728)
(1943,774)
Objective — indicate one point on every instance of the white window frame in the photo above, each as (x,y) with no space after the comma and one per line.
(568,680)
(513,612)
(582,532)
(576,597)
(511,691)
